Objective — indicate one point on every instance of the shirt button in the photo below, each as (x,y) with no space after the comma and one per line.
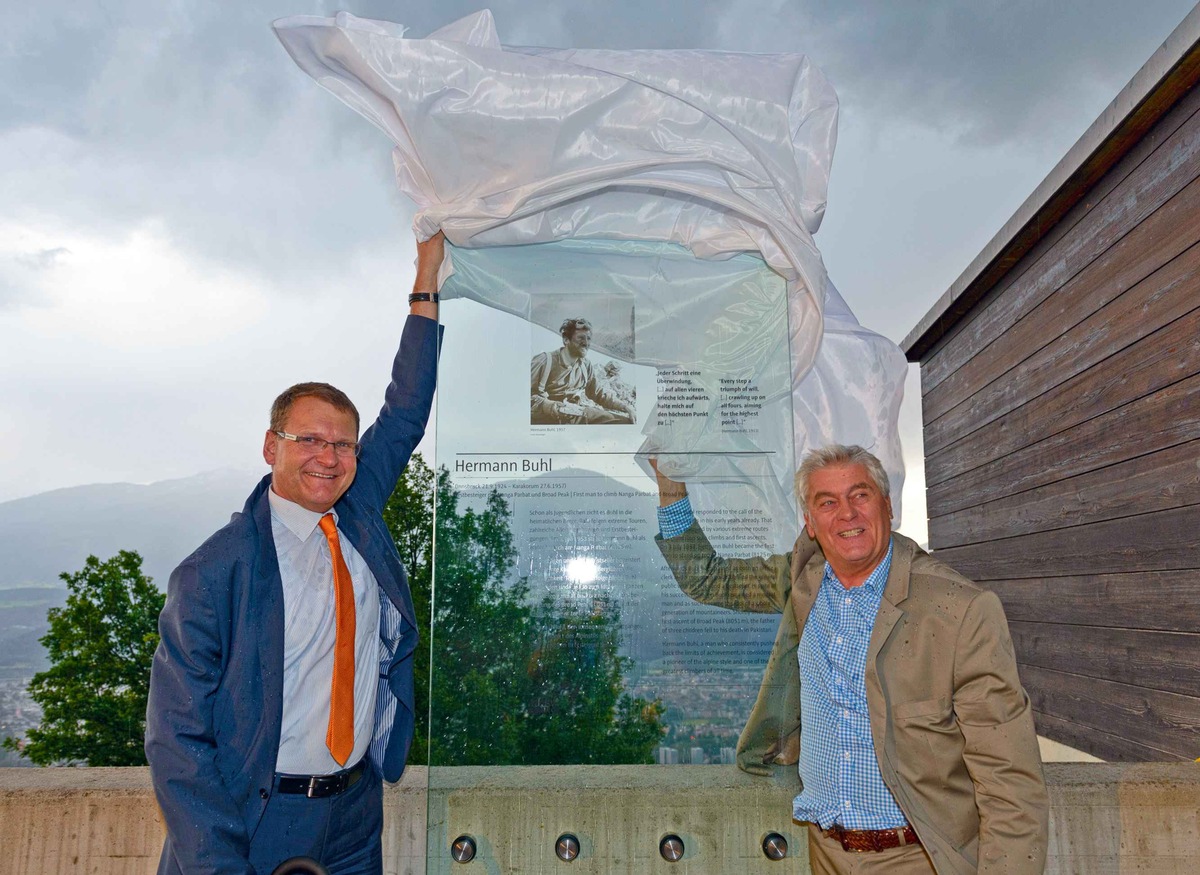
(839,639)
(846,754)
(847,599)
(846,714)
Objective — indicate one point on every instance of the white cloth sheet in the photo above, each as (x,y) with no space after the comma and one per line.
(691,181)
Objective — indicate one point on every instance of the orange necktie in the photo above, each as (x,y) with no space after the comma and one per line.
(340,737)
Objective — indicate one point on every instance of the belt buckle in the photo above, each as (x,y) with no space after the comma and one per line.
(320,786)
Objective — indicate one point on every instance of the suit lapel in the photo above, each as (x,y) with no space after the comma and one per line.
(268,599)
(889,616)
(379,558)
(806,584)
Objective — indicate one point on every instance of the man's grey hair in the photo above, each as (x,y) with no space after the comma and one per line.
(837,454)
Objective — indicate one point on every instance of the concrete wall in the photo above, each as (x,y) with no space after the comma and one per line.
(106,822)
(1107,819)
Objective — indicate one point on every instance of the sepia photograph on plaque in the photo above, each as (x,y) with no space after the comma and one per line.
(576,383)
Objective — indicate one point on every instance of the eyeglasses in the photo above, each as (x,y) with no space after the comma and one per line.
(314,445)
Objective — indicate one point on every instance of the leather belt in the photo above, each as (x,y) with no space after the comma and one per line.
(319,786)
(866,840)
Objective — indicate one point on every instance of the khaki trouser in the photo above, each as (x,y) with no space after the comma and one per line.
(827,857)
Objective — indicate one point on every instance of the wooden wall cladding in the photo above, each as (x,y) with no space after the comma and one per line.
(1062,440)
(1167,479)
(1109,306)
(1166,661)
(1166,357)
(1110,289)
(1147,600)
(1166,724)
(1099,743)
(1162,541)
(1146,425)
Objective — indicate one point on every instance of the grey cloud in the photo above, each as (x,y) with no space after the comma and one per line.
(985,70)
(43,259)
(192,116)
(19,275)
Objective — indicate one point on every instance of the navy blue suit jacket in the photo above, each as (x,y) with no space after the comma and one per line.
(216,686)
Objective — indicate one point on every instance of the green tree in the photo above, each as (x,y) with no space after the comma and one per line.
(576,709)
(100,645)
(409,518)
(515,682)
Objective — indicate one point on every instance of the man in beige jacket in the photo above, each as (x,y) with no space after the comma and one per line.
(919,750)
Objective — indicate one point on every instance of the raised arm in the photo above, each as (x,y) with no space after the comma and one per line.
(390,441)
(759,585)
(430,255)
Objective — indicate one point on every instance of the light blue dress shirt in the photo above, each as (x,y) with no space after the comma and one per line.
(309,632)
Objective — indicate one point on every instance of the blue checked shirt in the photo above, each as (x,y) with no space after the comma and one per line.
(675,519)
(842,783)
(841,776)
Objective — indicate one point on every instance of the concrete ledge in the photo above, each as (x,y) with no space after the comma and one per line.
(107,822)
(619,813)
(1106,819)
(1109,818)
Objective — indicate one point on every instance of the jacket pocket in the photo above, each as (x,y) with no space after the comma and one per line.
(939,707)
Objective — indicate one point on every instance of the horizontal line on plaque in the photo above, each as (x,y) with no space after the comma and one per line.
(626,453)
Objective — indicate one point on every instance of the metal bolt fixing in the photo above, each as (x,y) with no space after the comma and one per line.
(567,847)
(671,847)
(463,849)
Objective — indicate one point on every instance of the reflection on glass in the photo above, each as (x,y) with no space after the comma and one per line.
(581,570)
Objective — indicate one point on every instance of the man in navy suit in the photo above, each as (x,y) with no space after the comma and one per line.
(256,753)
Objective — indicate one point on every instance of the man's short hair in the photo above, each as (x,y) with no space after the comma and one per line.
(838,454)
(331,395)
(570,326)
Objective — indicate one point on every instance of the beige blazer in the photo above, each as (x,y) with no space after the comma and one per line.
(952,726)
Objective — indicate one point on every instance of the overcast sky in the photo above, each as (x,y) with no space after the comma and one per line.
(187,217)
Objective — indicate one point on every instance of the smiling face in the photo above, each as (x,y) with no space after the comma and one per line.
(850,518)
(314,481)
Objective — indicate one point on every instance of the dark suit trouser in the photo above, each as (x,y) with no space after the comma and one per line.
(344,832)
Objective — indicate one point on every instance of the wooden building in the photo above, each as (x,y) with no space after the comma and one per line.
(1060,380)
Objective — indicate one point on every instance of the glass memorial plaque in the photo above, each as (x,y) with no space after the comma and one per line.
(559,634)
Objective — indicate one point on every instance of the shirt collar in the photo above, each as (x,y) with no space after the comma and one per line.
(300,521)
(875,580)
